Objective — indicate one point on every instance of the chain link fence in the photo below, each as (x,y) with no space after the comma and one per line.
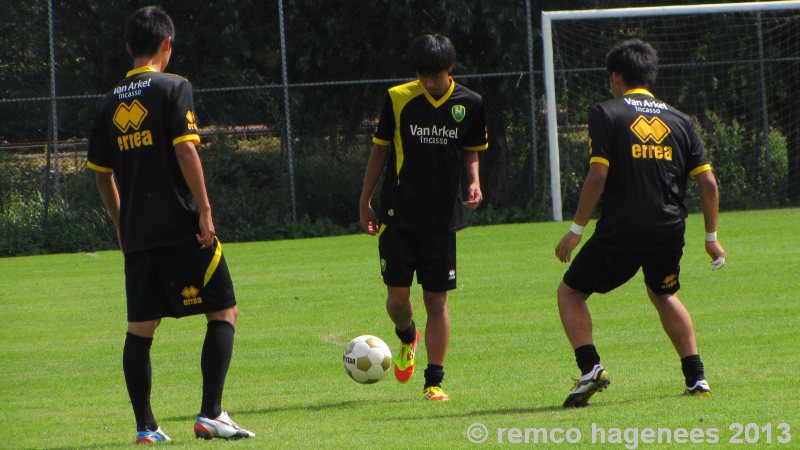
(287,93)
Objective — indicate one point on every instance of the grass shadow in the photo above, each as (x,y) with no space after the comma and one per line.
(308,408)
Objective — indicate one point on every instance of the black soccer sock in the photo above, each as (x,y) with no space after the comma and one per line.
(586,356)
(138,379)
(214,363)
(434,375)
(407,336)
(693,369)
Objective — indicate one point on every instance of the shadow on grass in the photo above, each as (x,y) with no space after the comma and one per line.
(316,407)
(483,413)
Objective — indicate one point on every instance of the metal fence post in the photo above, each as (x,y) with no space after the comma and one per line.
(287,109)
(53,108)
(532,90)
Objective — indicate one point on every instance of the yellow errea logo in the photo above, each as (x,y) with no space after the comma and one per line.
(129,116)
(189,294)
(654,129)
(190,118)
(669,281)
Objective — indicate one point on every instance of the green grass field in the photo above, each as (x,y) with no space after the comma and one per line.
(509,363)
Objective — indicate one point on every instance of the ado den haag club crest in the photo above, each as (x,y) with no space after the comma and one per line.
(459,112)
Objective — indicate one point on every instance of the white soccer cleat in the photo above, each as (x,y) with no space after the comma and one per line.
(700,389)
(222,427)
(594,381)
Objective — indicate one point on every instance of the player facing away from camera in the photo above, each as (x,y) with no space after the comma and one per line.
(427,139)
(642,151)
(142,149)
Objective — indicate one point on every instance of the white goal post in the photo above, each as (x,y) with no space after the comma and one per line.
(548,17)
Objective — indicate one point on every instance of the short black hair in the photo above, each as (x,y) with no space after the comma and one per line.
(431,54)
(146,29)
(636,61)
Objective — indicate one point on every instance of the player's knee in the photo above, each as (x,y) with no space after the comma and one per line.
(568,294)
(398,296)
(435,303)
(228,314)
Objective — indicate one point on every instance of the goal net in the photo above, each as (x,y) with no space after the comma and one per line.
(734,68)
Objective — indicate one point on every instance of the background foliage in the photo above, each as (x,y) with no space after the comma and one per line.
(236,43)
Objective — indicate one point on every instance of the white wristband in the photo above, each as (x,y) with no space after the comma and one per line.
(576,229)
(711,237)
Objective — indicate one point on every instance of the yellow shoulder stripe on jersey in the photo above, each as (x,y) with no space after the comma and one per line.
(445,97)
(379,141)
(187,137)
(381,229)
(598,159)
(400,96)
(142,69)
(97,168)
(477,148)
(699,169)
(212,267)
(638,91)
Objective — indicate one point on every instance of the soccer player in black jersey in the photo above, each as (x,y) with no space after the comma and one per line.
(427,139)
(142,149)
(642,151)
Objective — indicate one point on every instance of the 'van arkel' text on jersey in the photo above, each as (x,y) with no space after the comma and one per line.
(434,134)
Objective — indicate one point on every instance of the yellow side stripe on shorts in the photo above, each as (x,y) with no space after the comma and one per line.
(212,267)
(381,229)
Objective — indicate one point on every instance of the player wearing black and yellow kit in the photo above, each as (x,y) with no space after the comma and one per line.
(150,178)
(429,132)
(642,152)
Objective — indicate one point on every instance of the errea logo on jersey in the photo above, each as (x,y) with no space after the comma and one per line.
(654,129)
(190,118)
(129,116)
(651,130)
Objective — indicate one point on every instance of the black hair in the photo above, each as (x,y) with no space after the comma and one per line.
(431,54)
(146,29)
(636,61)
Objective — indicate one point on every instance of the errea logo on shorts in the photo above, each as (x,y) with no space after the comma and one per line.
(451,275)
(669,281)
(189,294)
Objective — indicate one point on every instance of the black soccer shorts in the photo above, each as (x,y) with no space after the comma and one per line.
(176,281)
(432,257)
(600,267)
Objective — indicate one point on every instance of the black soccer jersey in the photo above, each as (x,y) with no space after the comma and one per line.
(133,136)
(422,186)
(651,149)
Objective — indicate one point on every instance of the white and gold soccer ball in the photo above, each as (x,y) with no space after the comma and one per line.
(367,359)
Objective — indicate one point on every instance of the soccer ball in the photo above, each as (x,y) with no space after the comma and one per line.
(367,359)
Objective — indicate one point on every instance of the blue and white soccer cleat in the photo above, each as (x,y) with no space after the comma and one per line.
(594,381)
(152,437)
(700,389)
(222,427)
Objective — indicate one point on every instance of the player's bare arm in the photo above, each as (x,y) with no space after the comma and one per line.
(192,170)
(472,169)
(709,199)
(110,197)
(375,165)
(593,187)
